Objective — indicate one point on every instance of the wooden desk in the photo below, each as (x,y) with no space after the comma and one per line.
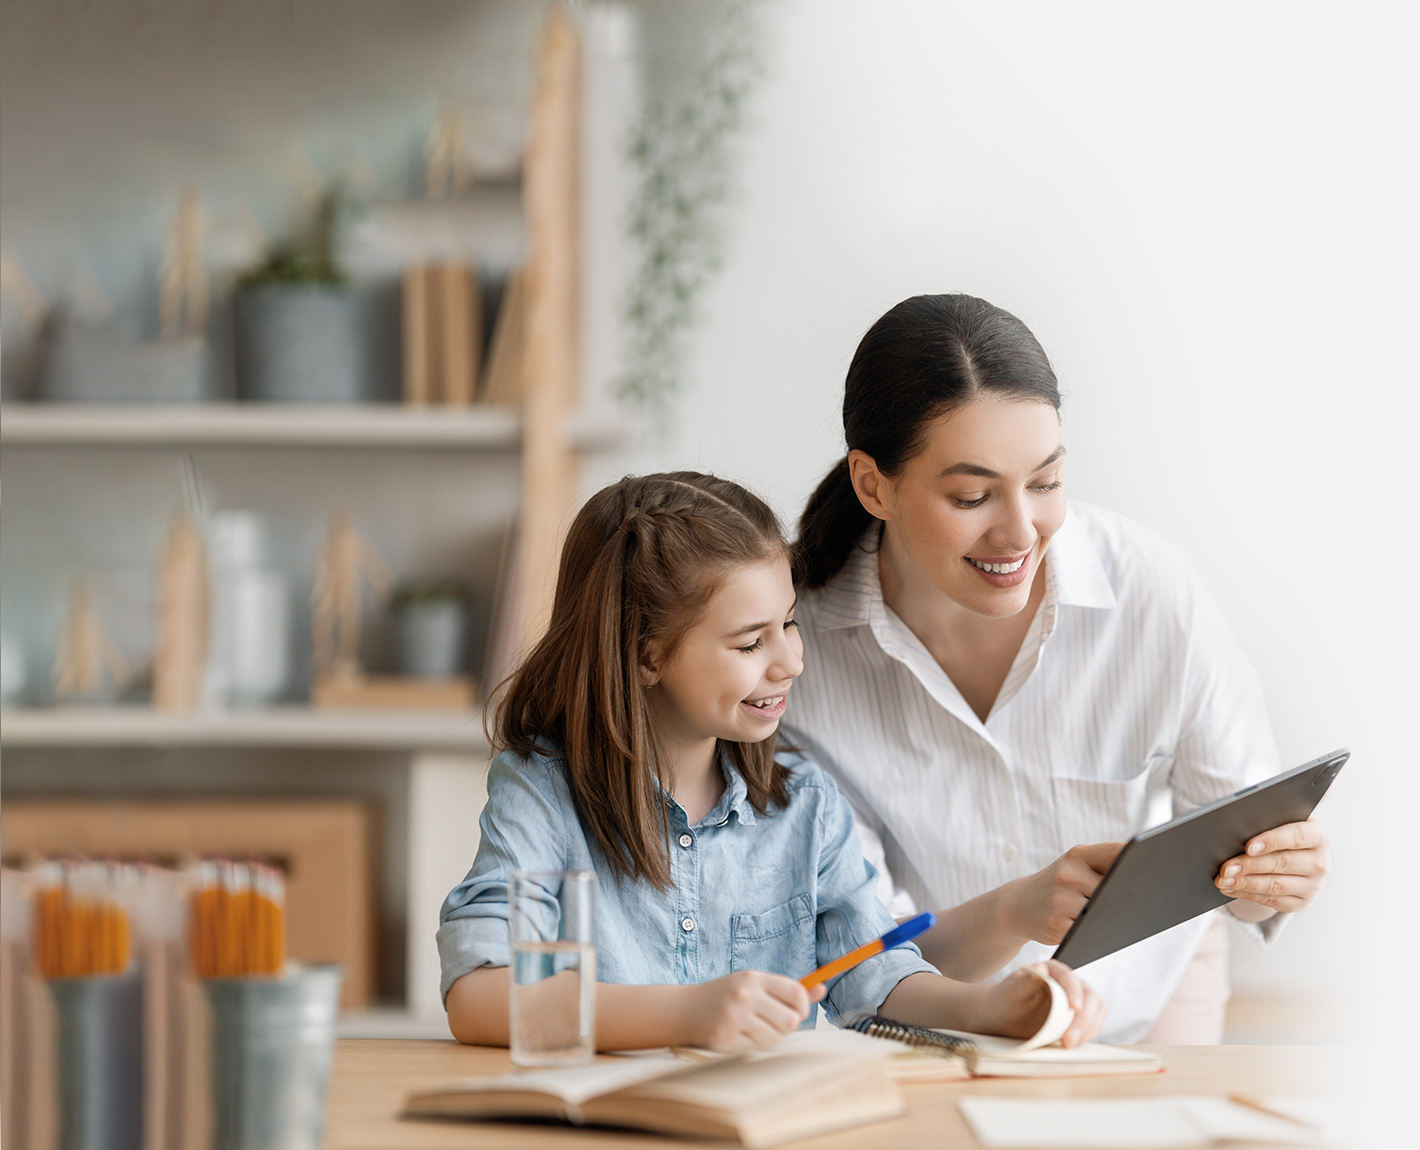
(371,1078)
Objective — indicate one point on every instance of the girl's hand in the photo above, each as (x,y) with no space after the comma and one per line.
(1042,906)
(1282,869)
(1020,1003)
(748,1010)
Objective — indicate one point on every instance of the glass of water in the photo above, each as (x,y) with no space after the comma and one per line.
(551,922)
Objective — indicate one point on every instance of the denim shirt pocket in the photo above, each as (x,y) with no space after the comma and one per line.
(780,941)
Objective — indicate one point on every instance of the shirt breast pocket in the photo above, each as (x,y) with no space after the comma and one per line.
(780,941)
(1091,810)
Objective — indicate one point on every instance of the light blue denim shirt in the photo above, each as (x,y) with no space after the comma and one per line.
(783,892)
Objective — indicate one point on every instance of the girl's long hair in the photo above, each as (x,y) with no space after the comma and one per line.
(641,561)
(922,359)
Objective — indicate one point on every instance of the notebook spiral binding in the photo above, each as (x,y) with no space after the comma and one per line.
(930,1041)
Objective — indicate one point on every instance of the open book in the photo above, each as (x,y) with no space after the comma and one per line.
(921,1051)
(800,1088)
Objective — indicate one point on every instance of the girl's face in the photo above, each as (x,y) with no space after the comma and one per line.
(728,676)
(972,514)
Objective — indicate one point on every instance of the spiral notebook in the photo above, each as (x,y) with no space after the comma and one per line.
(984,1056)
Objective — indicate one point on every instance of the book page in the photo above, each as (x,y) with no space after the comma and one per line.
(574,1085)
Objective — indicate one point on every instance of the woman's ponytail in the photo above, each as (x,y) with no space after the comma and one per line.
(829,529)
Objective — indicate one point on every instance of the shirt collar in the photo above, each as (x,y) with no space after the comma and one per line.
(1075,575)
(1074,572)
(735,799)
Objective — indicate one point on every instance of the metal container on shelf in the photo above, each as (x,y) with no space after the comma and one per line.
(251,636)
(97,363)
(300,343)
(430,629)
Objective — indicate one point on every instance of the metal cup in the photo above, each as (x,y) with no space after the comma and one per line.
(99,1061)
(272,1040)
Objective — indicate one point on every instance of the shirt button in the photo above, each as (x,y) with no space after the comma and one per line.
(686,840)
(687,924)
(1009,851)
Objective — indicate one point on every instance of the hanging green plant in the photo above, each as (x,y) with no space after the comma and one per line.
(681,154)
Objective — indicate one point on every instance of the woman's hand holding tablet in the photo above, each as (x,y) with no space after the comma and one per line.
(1171,873)
(1280,871)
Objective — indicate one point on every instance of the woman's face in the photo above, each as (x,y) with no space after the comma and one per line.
(974,511)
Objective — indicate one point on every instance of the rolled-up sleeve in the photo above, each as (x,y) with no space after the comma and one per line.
(523,827)
(850,913)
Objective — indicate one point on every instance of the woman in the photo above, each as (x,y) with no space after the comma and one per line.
(1007,686)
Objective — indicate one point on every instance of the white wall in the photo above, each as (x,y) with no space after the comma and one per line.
(1198,209)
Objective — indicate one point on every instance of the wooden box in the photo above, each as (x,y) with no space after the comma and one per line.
(323,846)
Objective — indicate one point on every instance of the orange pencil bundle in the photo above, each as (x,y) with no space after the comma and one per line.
(237,925)
(81,920)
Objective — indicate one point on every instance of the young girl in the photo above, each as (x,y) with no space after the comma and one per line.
(638,743)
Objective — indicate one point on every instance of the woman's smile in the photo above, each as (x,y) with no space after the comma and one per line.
(1004,571)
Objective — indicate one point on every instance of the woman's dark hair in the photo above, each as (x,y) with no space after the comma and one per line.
(926,356)
(641,562)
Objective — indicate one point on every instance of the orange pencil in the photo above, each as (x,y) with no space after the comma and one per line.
(903,932)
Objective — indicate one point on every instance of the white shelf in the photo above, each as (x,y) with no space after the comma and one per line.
(283,425)
(373,425)
(270,727)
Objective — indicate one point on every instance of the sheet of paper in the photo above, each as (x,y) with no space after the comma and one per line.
(1057,1020)
(1164,1123)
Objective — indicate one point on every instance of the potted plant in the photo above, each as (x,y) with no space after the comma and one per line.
(430,628)
(297,325)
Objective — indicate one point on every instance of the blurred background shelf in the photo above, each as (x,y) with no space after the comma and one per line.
(274,425)
(292,726)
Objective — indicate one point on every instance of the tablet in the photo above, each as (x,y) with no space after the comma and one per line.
(1164,875)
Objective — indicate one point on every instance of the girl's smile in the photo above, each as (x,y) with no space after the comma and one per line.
(767,710)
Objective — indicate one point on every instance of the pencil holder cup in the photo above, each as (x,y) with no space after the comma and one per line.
(98,1040)
(272,1040)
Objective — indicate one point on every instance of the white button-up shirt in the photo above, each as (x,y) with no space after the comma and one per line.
(1128,702)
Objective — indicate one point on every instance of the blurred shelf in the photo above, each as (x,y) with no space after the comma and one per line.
(291,726)
(282,425)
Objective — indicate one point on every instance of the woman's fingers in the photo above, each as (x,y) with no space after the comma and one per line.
(1303,862)
(1282,892)
(1283,868)
(1306,835)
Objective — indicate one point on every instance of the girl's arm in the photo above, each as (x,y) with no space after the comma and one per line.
(743,1011)
(1015,1006)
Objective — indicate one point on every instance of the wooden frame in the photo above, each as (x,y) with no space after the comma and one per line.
(323,846)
